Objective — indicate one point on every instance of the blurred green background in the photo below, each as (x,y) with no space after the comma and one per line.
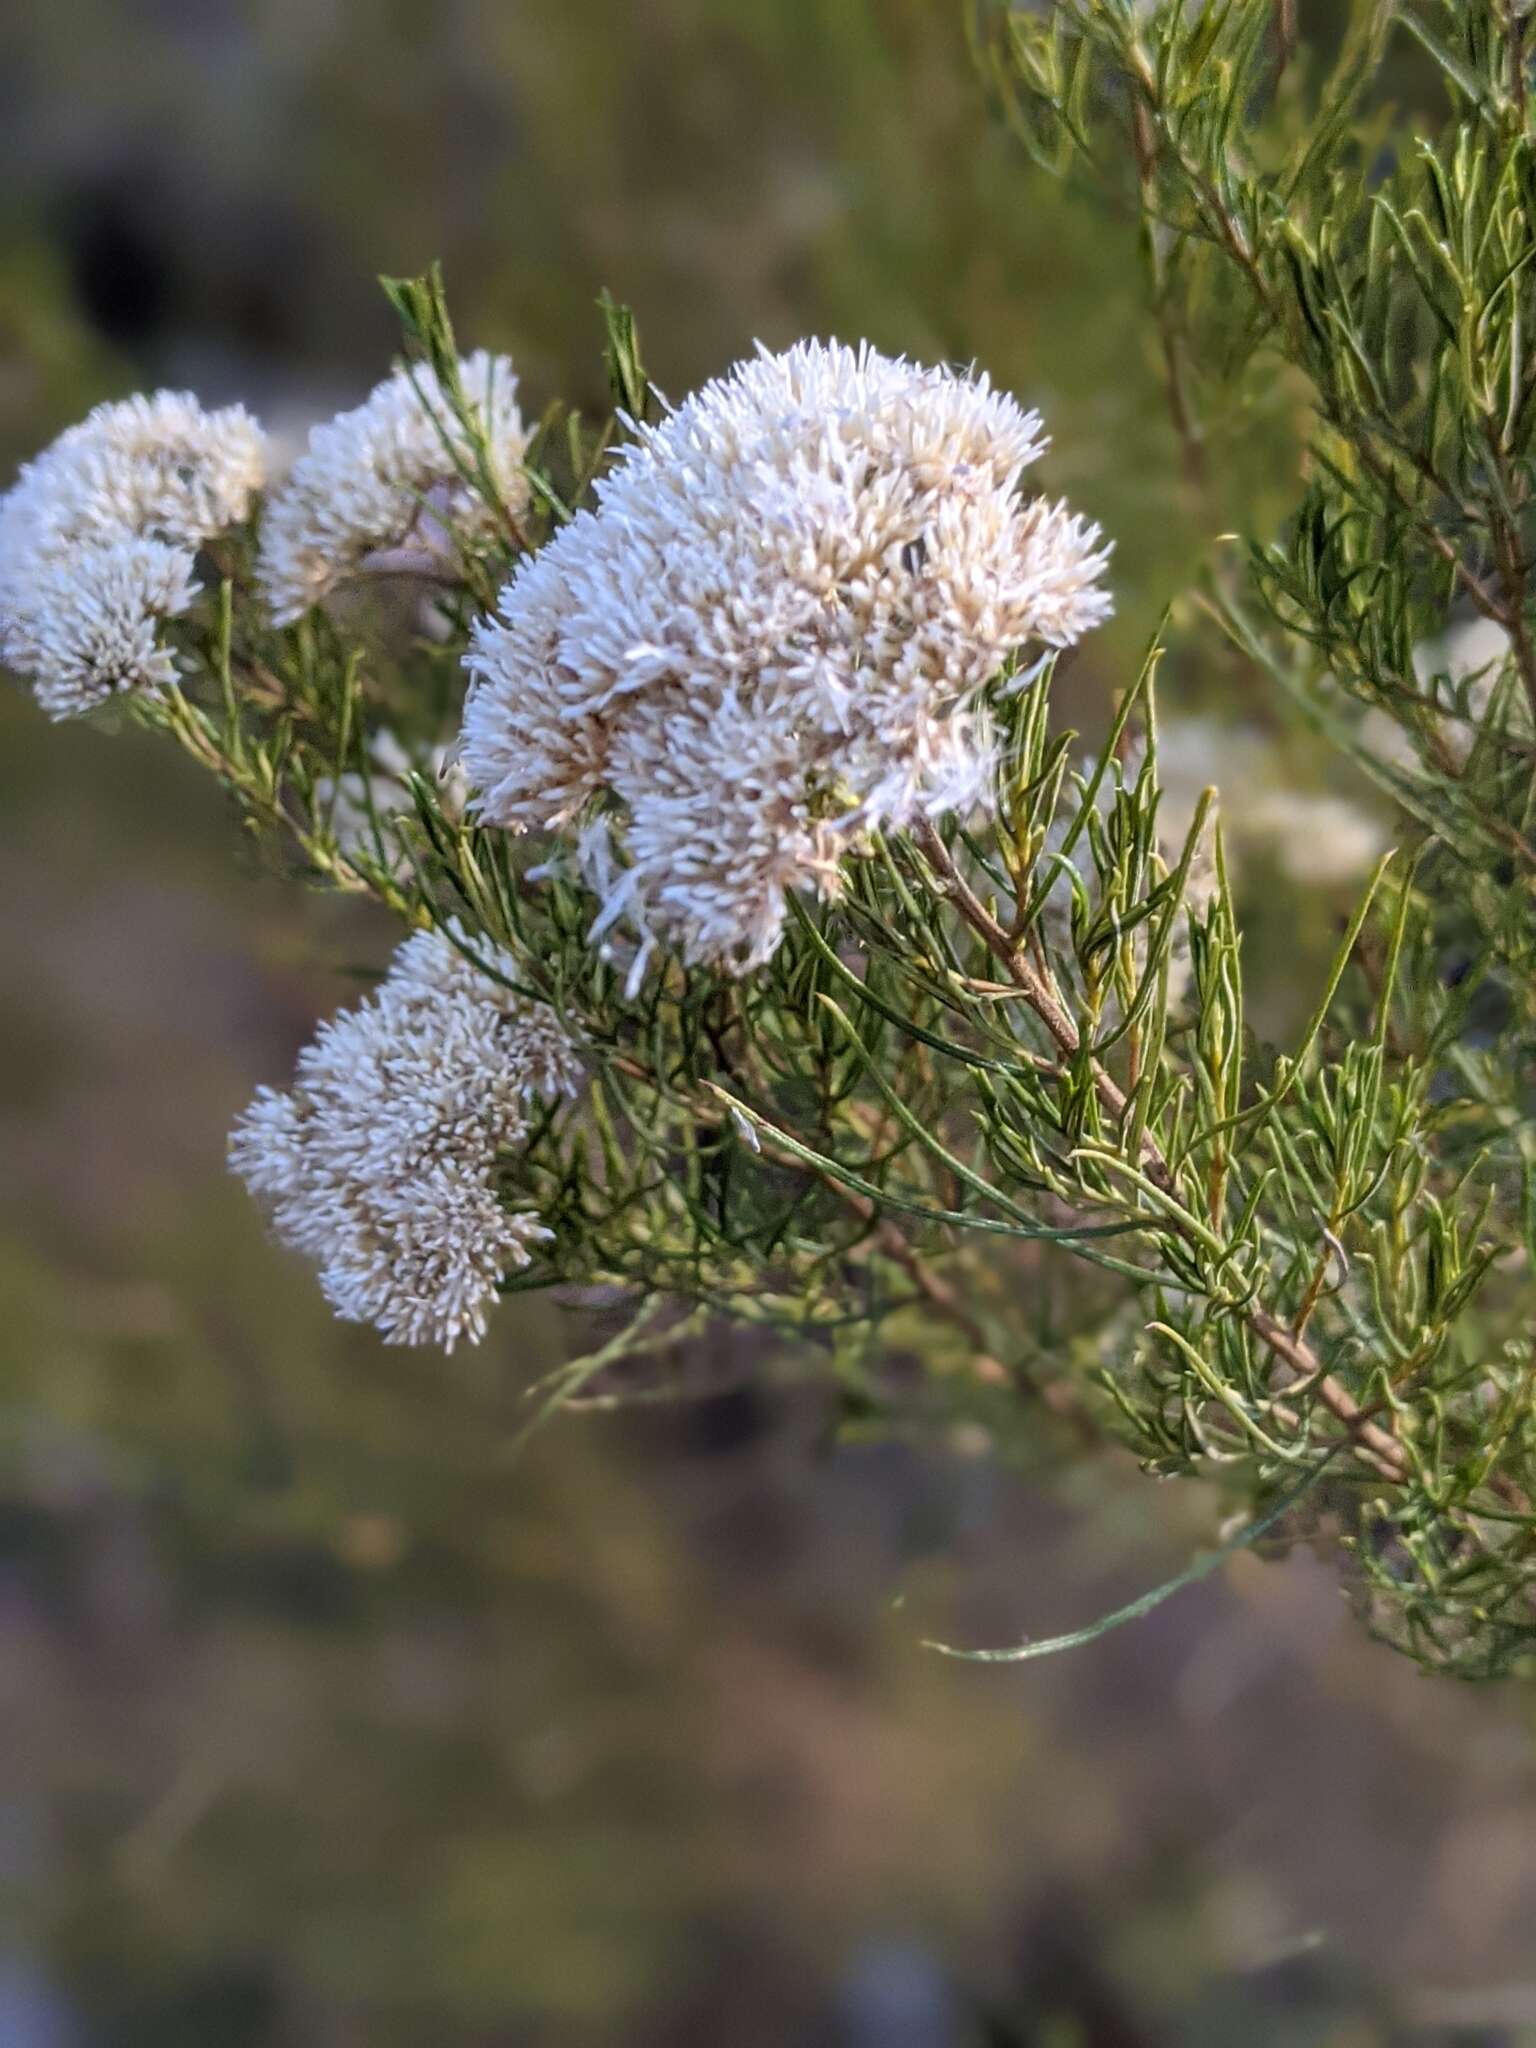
(324,1719)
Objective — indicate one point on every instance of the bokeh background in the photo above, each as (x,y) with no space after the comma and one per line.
(325,1720)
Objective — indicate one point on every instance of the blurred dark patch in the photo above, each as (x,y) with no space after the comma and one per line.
(122,264)
(152,263)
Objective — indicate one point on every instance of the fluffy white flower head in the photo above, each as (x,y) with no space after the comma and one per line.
(99,537)
(89,626)
(385,473)
(381,1161)
(772,635)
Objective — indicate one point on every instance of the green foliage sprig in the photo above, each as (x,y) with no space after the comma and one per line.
(1298,235)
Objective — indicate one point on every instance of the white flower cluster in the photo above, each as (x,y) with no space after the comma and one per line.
(381,1161)
(773,635)
(393,470)
(99,539)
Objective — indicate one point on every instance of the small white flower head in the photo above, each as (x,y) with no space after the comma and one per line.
(99,538)
(389,473)
(772,636)
(90,625)
(158,467)
(383,1161)
(98,541)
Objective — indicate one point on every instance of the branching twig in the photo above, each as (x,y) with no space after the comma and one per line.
(1374,1442)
